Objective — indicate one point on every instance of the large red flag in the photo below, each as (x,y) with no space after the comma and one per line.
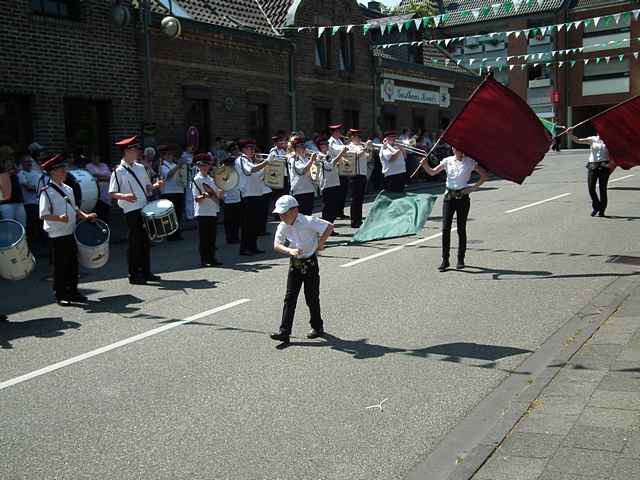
(618,127)
(500,131)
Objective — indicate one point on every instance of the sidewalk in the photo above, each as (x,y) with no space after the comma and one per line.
(585,424)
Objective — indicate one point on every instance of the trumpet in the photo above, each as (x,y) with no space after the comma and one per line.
(264,156)
(409,148)
(318,154)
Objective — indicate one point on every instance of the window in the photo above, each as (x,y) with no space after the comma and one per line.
(346,52)
(87,127)
(15,121)
(57,8)
(351,118)
(196,114)
(606,77)
(321,119)
(258,123)
(323,49)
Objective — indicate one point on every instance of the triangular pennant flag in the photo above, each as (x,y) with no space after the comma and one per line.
(543,31)
(335,30)
(301,29)
(560,27)
(485,11)
(616,17)
(522,67)
(447,61)
(548,64)
(518,32)
(607,58)
(508,6)
(540,55)
(509,58)
(636,13)
(580,49)
(540,2)
(476,13)
(586,60)
(458,62)
(535,65)
(400,26)
(407,25)
(444,18)
(573,63)
(621,57)
(390,27)
(577,24)
(608,20)
(635,55)
(436,20)
(587,22)
(517,3)
(511,67)
(349,28)
(418,22)
(321,31)
(382,28)
(447,41)
(366,28)
(471,60)
(425,22)
(560,64)
(496,8)
(509,33)
(596,21)
(598,60)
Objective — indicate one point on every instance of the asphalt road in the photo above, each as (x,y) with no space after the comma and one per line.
(190,396)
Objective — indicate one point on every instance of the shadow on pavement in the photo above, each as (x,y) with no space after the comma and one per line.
(39,328)
(456,351)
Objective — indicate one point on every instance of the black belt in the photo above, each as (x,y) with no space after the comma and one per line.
(597,165)
(303,264)
(454,194)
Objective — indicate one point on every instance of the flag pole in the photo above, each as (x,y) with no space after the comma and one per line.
(427,155)
(598,115)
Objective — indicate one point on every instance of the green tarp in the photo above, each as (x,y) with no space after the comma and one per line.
(395,215)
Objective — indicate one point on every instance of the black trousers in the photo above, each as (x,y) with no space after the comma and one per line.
(358,187)
(232,221)
(33,224)
(305,202)
(266,207)
(599,176)
(344,190)
(65,266)
(308,275)
(102,211)
(461,208)
(207,232)
(251,222)
(330,198)
(395,183)
(139,255)
(178,204)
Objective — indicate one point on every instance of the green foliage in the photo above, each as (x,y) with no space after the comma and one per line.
(421,8)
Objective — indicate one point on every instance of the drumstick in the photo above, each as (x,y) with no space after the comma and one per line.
(68,200)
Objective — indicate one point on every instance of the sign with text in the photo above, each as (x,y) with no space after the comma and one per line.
(392,93)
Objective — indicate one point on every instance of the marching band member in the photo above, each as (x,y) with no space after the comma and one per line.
(299,173)
(279,151)
(102,173)
(456,199)
(130,185)
(57,208)
(232,206)
(330,185)
(335,145)
(393,158)
(359,181)
(206,196)
(599,169)
(171,190)
(251,189)
(300,237)
(265,205)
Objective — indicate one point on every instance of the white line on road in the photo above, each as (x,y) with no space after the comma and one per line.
(394,249)
(538,203)
(621,178)
(121,343)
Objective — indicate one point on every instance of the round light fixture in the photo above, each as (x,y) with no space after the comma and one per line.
(171,26)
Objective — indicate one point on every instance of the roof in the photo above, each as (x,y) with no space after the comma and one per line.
(429,53)
(585,4)
(254,15)
(461,12)
(392,19)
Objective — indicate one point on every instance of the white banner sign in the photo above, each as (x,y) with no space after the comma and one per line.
(392,93)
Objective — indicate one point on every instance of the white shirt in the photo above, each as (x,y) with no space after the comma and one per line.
(52,203)
(277,154)
(170,184)
(599,151)
(362,156)
(209,207)
(330,177)
(303,234)
(335,146)
(392,165)
(29,179)
(251,183)
(43,180)
(458,172)
(101,170)
(123,182)
(300,181)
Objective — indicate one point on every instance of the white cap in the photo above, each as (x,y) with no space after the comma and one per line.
(285,203)
(34,147)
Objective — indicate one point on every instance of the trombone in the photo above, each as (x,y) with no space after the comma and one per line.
(264,156)
(410,148)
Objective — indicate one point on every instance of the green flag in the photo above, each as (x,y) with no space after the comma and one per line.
(395,215)
(550,126)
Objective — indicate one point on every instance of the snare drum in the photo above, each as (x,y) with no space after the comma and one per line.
(92,239)
(16,261)
(160,219)
(274,174)
(347,164)
(85,189)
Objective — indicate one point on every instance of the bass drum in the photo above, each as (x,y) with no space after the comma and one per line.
(226,178)
(16,260)
(85,189)
(92,239)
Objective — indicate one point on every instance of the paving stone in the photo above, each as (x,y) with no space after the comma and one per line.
(630,355)
(583,462)
(594,356)
(548,424)
(626,469)
(609,418)
(572,374)
(505,467)
(549,475)
(597,438)
(570,388)
(535,445)
(552,405)
(611,338)
(620,325)
(625,366)
(622,400)
(621,382)
(633,446)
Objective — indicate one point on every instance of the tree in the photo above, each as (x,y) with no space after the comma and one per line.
(421,8)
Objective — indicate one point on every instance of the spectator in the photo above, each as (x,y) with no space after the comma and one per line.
(28,179)
(102,174)
(37,154)
(12,208)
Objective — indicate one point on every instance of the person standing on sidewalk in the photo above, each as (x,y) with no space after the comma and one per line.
(459,168)
(599,168)
(300,237)
(28,179)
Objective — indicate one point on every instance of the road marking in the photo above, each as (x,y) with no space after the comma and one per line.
(538,203)
(621,178)
(394,249)
(113,346)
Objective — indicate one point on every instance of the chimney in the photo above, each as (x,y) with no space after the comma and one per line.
(376,6)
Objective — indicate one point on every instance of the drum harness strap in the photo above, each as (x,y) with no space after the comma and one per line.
(62,194)
(134,176)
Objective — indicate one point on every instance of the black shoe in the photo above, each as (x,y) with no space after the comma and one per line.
(3,318)
(315,334)
(281,337)
(78,298)
(356,225)
(246,253)
(216,263)
(257,251)
(460,265)
(137,281)
(601,214)
(594,213)
(63,302)
(343,217)
(444,265)
(335,234)
(153,278)
(206,265)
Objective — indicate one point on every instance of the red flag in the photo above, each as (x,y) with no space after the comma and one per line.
(618,127)
(500,131)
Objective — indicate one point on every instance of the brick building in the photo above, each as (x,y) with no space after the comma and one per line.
(68,75)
